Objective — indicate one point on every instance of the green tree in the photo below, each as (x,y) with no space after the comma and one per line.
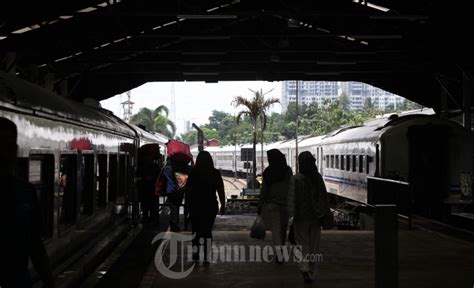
(256,109)
(156,120)
(216,119)
(191,136)
(345,101)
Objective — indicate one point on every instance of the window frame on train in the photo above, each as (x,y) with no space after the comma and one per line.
(45,188)
(102,180)
(70,189)
(87,184)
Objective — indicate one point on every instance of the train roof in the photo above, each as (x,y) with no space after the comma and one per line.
(22,96)
(373,129)
(151,137)
(310,141)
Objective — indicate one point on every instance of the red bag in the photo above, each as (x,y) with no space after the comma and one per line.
(179,151)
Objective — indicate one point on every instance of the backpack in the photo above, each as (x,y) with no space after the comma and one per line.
(178,151)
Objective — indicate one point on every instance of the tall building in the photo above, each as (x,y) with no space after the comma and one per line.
(308,92)
(319,91)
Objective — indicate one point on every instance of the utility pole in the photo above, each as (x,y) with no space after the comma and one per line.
(173,103)
(127,107)
(261,147)
(200,136)
(297,126)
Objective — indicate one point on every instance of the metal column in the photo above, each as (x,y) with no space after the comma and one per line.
(386,246)
(467,100)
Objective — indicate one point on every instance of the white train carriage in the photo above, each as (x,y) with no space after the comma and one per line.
(420,149)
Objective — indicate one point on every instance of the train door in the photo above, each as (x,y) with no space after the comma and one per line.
(67,192)
(113,178)
(101,200)
(87,183)
(428,169)
(41,175)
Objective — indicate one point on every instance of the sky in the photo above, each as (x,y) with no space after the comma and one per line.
(194,101)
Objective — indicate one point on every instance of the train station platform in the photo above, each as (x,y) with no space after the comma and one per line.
(426,259)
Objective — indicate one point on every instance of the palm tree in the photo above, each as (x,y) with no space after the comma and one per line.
(256,110)
(156,120)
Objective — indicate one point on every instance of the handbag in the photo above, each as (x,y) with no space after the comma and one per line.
(291,235)
(327,221)
(258,229)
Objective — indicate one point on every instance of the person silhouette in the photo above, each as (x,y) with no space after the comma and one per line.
(20,220)
(307,204)
(201,201)
(273,205)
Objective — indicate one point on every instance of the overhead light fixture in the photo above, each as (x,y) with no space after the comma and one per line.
(3,37)
(292,23)
(22,30)
(169,23)
(371,5)
(87,10)
(206,16)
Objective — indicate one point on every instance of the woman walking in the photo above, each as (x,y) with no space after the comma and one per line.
(307,203)
(273,198)
(201,201)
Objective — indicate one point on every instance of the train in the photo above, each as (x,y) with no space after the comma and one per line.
(80,158)
(433,155)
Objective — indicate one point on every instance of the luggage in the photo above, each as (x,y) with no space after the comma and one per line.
(178,151)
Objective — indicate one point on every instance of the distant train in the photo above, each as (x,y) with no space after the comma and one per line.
(81,160)
(432,154)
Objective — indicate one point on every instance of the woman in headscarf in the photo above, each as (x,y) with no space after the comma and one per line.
(307,204)
(273,197)
(203,183)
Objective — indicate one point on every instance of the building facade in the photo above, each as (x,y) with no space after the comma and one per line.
(318,91)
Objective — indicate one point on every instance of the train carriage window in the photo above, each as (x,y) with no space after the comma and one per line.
(101,200)
(332,161)
(348,162)
(361,163)
(367,163)
(87,184)
(343,160)
(337,162)
(354,164)
(327,161)
(67,192)
(41,175)
(122,174)
(113,179)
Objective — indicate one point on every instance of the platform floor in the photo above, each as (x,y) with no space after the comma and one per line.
(427,259)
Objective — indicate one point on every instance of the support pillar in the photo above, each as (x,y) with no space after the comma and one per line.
(10,62)
(444,105)
(386,246)
(64,88)
(49,81)
(467,100)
